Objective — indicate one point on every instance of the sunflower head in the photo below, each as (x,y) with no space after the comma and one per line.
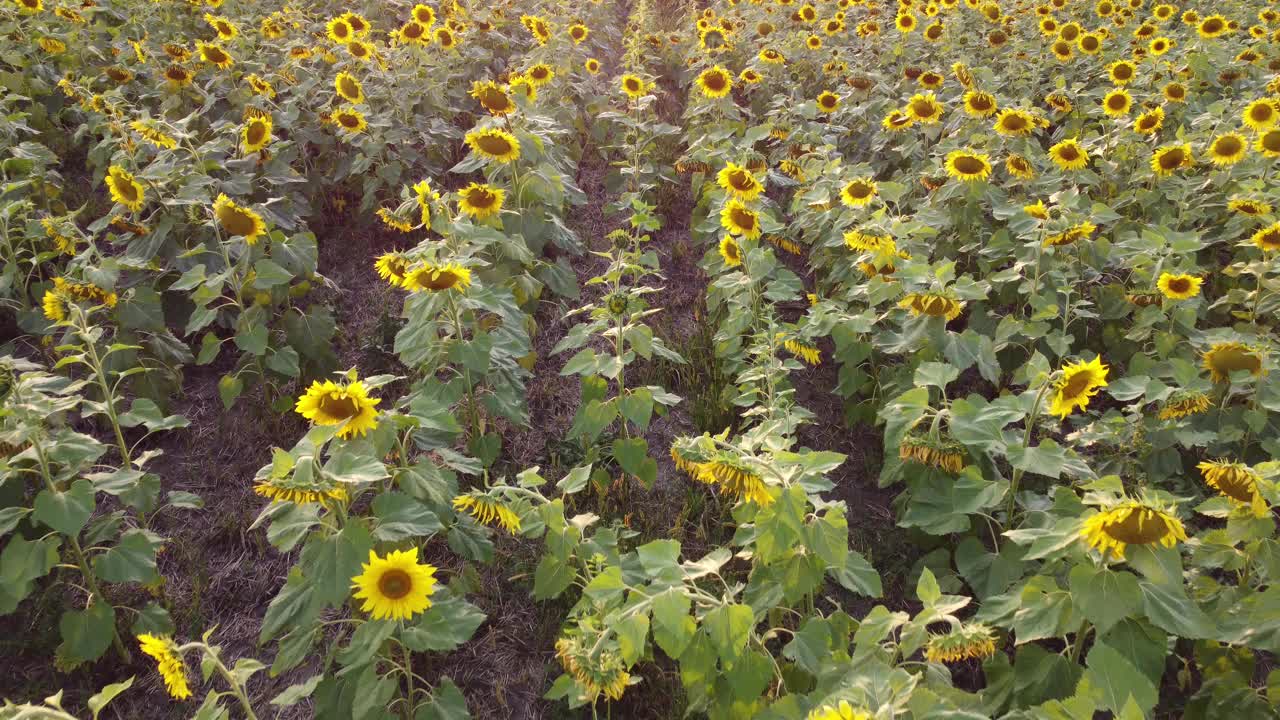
(739,219)
(633,86)
(932,304)
(124,188)
(480,201)
(1222,359)
(925,108)
(346,405)
(494,144)
(968,166)
(828,102)
(1069,155)
(840,711)
(1249,206)
(238,221)
(169,662)
(1132,522)
(1268,238)
(739,182)
(1179,286)
(396,586)
(859,192)
(979,104)
(437,278)
(730,251)
(256,134)
(392,267)
(973,641)
(715,82)
(488,511)
(1171,158)
(1228,149)
(1184,403)
(300,488)
(1076,385)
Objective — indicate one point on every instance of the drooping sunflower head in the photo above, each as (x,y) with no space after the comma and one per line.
(54,305)
(840,711)
(942,452)
(1019,167)
(595,672)
(1249,206)
(430,277)
(215,55)
(238,221)
(828,102)
(737,478)
(859,192)
(979,104)
(897,121)
(932,304)
(715,82)
(480,201)
(445,38)
(1268,238)
(169,662)
(739,219)
(1077,385)
(1171,158)
(397,586)
(299,488)
(494,144)
(1132,522)
(1235,480)
(124,188)
(739,182)
(392,267)
(1227,149)
(1069,155)
(973,641)
(347,405)
(968,165)
(1223,359)
(925,108)
(1179,286)
(488,510)
(1184,403)
(1037,210)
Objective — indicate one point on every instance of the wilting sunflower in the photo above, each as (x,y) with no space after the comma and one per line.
(1019,167)
(339,31)
(260,86)
(859,192)
(595,672)
(394,221)
(1069,155)
(1169,159)
(1228,149)
(1078,383)
(237,221)
(425,196)
(633,86)
(964,642)
(348,405)
(256,134)
(1012,122)
(1184,403)
(828,102)
(226,29)
(487,511)
(1148,123)
(739,219)
(1131,522)
(1224,358)
(925,108)
(349,120)
(968,165)
(396,586)
(437,278)
(1250,207)
(979,104)
(943,452)
(1268,143)
(1179,287)
(297,488)
(349,88)
(494,144)
(932,304)
(803,350)
(737,479)
(1117,103)
(841,711)
(1261,114)
(54,305)
(1233,479)
(124,188)
(215,55)
(168,661)
(859,241)
(392,267)
(157,138)
(739,182)
(715,82)
(1037,210)
(480,200)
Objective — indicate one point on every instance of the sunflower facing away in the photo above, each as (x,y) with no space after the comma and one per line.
(1233,479)
(1184,403)
(238,221)
(715,82)
(396,586)
(215,55)
(493,144)
(1248,206)
(169,662)
(841,711)
(739,219)
(964,642)
(1069,155)
(1224,358)
(296,488)
(932,304)
(437,278)
(480,201)
(735,478)
(1180,286)
(1131,522)
(968,165)
(487,511)
(124,189)
(348,405)
(1078,384)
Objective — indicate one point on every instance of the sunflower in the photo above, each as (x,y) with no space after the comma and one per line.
(1012,122)
(925,108)
(772,57)
(828,102)
(1089,43)
(739,219)
(339,31)
(1249,207)
(215,55)
(348,405)
(1224,358)
(750,77)
(905,22)
(493,144)
(256,134)
(486,510)
(29,7)
(979,104)
(1183,404)
(1212,27)
(842,711)
(1260,115)
(437,278)
(1122,72)
(739,182)
(157,138)
(349,120)
(1175,92)
(1078,383)
(1171,158)
(238,221)
(1019,167)
(396,586)
(360,50)
(592,66)
(715,82)
(1150,122)
(168,661)
(424,15)
(1268,143)
(225,28)
(866,242)
(445,38)
(578,33)
(318,488)
(1179,287)
(413,33)
(738,480)
(1069,155)
(1131,522)
(1117,103)
(943,452)
(730,251)
(348,88)
(392,267)
(124,188)
(1233,479)
(932,304)
(393,221)
(968,165)
(260,86)
(1228,149)
(540,74)
(480,200)
(1160,46)
(595,672)
(633,86)
(897,121)
(806,352)
(964,642)
(54,304)
(859,192)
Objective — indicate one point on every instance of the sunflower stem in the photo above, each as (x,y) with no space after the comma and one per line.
(1078,645)
(408,678)
(1026,442)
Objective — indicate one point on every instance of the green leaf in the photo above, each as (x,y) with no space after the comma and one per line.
(66,512)
(444,626)
(331,561)
(401,516)
(100,699)
(631,634)
(446,703)
(583,362)
(637,406)
(1118,679)
(927,588)
(10,517)
(365,643)
(229,388)
(296,605)
(133,559)
(552,577)
(660,560)
(1169,608)
(633,456)
(473,354)
(606,586)
(86,634)
(576,480)
(1105,596)
(296,693)
(936,374)
(153,619)
(22,562)
(810,646)
(750,675)
(858,575)
(728,627)
(268,274)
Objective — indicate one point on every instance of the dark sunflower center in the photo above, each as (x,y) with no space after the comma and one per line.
(935,306)
(238,222)
(1077,383)
(224,29)
(480,198)
(539,73)
(1271,238)
(257,131)
(1212,25)
(216,56)
(1172,159)
(1271,141)
(1014,123)
(922,108)
(413,31)
(743,219)
(126,189)
(444,37)
(176,74)
(1089,43)
(1179,285)
(716,81)
(1147,122)
(1122,72)
(1231,359)
(1019,164)
(423,16)
(982,103)
(1261,112)
(1228,146)
(1236,484)
(341,30)
(858,190)
(335,406)
(349,121)
(1140,527)
(827,101)
(436,279)
(1175,91)
(350,89)
(577,33)
(741,180)
(969,165)
(358,49)
(395,584)
(1117,102)
(731,250)
(494,144)
(1069,153)
(633,85)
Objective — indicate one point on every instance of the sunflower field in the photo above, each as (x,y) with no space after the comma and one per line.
(779,359)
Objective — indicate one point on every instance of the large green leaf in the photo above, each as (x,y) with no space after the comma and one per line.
(66,512)
(133,559)
(86,634)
